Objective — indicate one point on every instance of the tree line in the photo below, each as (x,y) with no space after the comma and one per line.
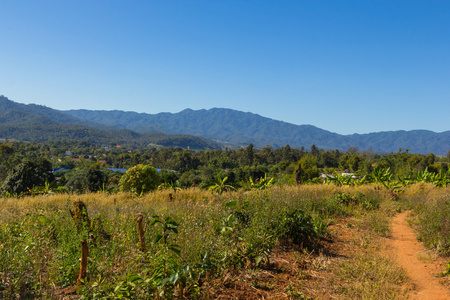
(27,167)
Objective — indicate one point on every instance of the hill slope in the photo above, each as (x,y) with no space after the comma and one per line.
(235,127)
(197,128)
(38,123)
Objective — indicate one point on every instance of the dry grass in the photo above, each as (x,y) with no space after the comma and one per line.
(431,215)
(347,265)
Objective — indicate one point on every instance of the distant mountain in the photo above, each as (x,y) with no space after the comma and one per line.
(225,125)
(35,114)
(239,128)
(37,123)
(198,129)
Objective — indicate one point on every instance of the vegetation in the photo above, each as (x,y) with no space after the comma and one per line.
(432,215)
(37,123)
(190,167)
(244,128)
(195,239)
(139,179)
(216,212)
(28,174)
(196,130)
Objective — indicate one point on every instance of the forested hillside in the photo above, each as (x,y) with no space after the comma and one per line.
(239,128)
(36,123)
(199,129)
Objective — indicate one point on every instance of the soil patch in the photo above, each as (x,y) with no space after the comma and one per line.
(296,273)
(419,264)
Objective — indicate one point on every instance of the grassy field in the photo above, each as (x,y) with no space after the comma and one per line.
(198,239)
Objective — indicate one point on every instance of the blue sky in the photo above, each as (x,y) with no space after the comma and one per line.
(344,66)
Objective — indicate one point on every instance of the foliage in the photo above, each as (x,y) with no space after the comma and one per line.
(432,210)
(189,243)
(219,185)
(298,226)
(309,169)
(260,183)
(91,180)
(194,168)
(33,172)
(139,179)
(440,179)
(339,179)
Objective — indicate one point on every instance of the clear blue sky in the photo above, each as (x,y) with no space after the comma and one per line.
(344,66)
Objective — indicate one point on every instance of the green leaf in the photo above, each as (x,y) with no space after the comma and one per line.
(175,249)
(174,278)
(155,222)
(231,203)
(164,281)
(134,278)
(170,220)
(174,230)
(159,236)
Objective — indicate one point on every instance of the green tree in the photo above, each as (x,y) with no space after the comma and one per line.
(26,175)
(86,180)
(286,152)
(349,162)
(309,168)
(139,179)
(5,152)
(315,151)
(329,159)
(250,153)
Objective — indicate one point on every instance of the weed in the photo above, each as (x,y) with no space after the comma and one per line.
(189,241)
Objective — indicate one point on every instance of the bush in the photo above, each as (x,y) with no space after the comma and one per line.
(139,179)
(86,180)
(299,226)
(26,175)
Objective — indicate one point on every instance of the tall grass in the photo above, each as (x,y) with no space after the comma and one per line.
(40,244)
(431,208)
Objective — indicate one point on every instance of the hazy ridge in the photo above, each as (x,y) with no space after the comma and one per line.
(198,129)
(241,128)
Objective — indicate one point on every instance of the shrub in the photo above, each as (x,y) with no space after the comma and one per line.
(86,180)
(298,226)
(139,179)
(26,175)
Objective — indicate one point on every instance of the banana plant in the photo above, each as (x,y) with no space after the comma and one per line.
(362,181)
(442,179)
(44,190)
(405,181)
(175,186)
(219,185)
(339,179)
(260,184)
(382,176)
(425,176)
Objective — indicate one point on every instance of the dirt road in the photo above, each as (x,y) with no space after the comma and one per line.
(411,255)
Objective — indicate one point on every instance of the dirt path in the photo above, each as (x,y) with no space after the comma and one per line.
(412,257)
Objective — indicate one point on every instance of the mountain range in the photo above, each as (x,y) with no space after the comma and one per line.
(200,129)
(37,123)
